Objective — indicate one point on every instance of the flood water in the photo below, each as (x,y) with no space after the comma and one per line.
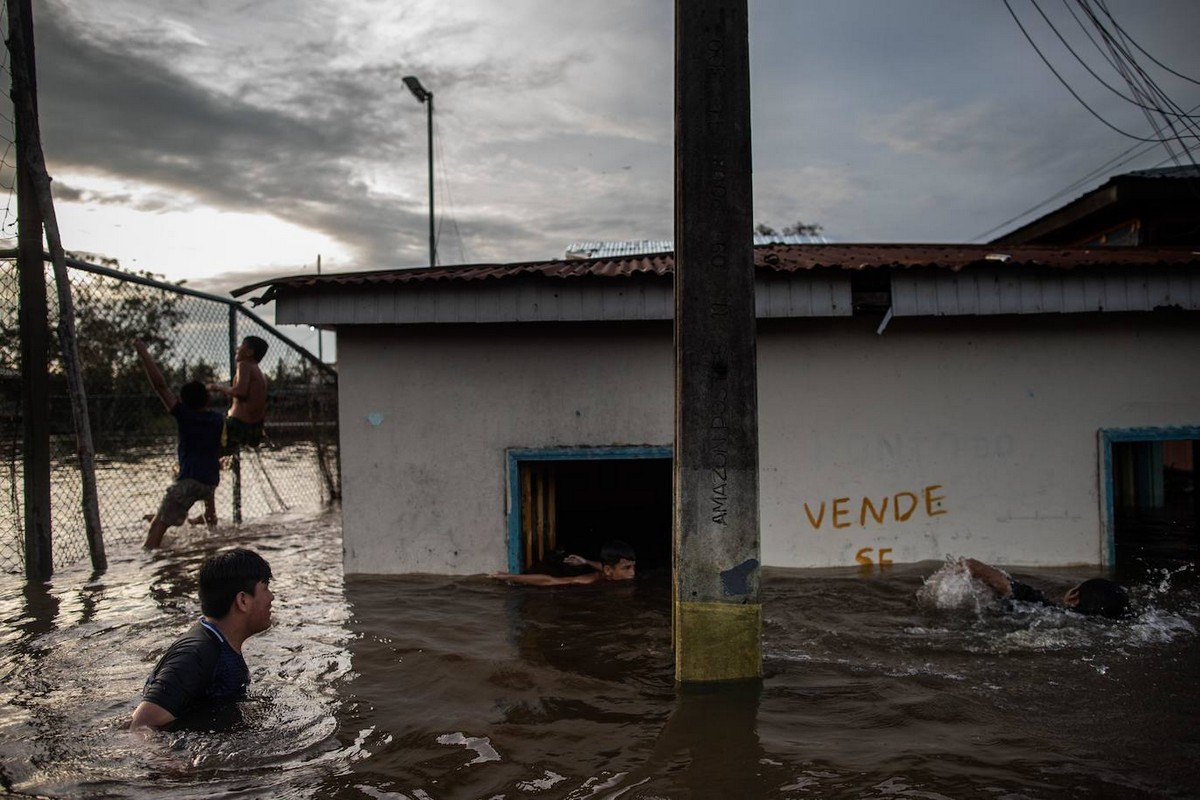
(431,688)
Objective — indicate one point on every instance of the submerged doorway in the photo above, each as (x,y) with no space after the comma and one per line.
(1153,508)
(572,500)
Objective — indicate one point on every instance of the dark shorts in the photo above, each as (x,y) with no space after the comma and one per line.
(1025,593)
(179,499)
(238,434)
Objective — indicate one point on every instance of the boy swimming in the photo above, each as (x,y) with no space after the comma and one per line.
(617,562)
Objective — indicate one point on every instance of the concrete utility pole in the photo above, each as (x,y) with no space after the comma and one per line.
(717,614)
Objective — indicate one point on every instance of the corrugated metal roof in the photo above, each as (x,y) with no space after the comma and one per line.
(770,258)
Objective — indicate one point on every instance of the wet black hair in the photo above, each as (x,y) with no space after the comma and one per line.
(194,394)
(257,346)
(1102,597)
(614,550)
(224,575)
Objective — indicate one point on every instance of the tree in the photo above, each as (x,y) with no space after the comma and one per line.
(109,315)
(803,229)
(800,228)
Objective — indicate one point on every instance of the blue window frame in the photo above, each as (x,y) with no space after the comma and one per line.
(1109,437)
(517,456)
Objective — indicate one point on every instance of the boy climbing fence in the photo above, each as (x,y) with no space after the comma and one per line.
(195,337)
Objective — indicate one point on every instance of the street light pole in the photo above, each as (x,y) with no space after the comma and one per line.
(426,97)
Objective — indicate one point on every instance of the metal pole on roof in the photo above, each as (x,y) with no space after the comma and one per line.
(320,337)
(426,97)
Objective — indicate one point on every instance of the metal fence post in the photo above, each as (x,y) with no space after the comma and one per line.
(235,465)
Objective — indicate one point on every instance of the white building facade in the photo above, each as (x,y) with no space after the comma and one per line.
(951,402)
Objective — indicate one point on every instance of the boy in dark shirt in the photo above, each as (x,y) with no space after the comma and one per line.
(205,663)
(199,451)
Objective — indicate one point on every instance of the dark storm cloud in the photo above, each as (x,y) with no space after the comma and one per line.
(123,115)
(887,121)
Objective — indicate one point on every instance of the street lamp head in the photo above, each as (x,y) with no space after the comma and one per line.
(416,88)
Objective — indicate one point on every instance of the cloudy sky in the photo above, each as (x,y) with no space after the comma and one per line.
(224,142)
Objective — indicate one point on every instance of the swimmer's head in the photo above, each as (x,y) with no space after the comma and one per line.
(617,561)
(1098,597)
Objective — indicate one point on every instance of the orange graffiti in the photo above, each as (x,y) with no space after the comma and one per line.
(903,506)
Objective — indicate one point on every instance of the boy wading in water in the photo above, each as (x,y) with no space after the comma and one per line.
(199,451)
(617,562)
(244,423)
(205,664)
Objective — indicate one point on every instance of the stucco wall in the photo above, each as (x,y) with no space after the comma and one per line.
(984,429)
(424,489)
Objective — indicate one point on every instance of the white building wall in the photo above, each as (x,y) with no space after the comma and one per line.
(986,428)
(427,414)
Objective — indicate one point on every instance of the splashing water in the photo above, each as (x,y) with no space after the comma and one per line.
(952,589)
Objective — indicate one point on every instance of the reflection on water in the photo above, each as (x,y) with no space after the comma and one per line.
(436,688)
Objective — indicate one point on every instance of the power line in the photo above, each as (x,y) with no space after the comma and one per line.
(1139,81)
(447,199)
(1145,93)
(1087,66)
(1068,87)
(1117,26)
(1109,166)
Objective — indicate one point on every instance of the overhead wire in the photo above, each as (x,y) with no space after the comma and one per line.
(1138,79)
(1117,26)
(1087,66)
(448,200)
(1068,86)
(1113,163)
(1145,91)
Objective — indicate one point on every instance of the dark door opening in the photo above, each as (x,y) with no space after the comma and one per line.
(574,506)
(1156,508)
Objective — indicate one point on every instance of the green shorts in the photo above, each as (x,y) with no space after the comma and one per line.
(237,434)
(179,499)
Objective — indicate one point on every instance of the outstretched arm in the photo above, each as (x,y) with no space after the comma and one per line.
(994,578)
(238,390)
(155,375)
(535,579)
(579,561)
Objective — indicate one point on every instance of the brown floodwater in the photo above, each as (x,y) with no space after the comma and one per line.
(432,688)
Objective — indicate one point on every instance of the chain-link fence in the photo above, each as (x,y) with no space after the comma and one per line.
(192,337)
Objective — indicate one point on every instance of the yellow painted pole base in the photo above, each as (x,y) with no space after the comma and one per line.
(717,642)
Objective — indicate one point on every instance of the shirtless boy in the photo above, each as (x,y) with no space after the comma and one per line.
(244,423)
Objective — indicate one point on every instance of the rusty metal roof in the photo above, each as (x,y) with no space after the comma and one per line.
(779,258)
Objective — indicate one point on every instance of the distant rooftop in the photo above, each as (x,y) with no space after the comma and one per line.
(638,247)
(1147,207)
(1189,171)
